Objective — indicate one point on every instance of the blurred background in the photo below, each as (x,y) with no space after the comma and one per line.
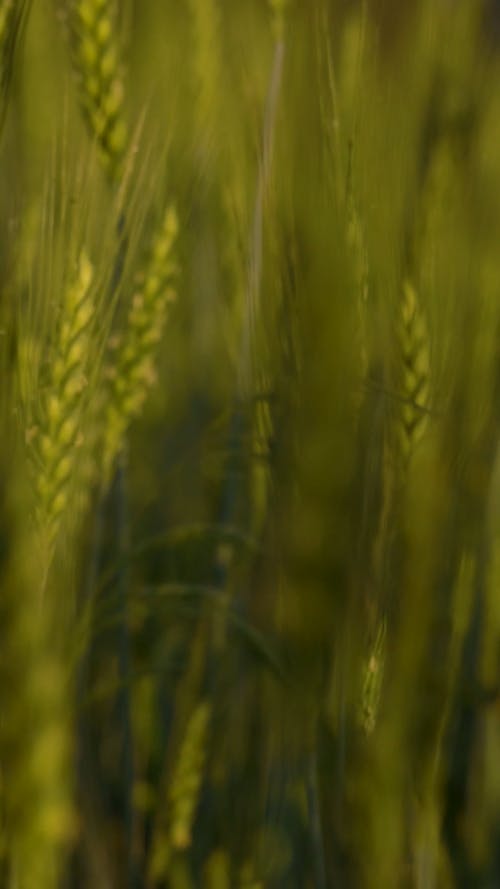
(249,487)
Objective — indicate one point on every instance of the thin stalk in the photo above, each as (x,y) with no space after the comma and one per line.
(313,807)
(124,709)
(254,280)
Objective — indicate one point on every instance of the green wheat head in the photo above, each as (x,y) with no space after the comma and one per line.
(413,341)
(59,433)
(35,809)
(183,792)
(185,786)
(131,369)
(96,60)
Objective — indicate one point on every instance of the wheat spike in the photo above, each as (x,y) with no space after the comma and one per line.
(373,674)
(34,733)
(186,782)
(183,793)
(96,59)
(415,361)
(131,369)
(58,433)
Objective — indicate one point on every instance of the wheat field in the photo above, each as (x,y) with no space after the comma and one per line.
(249,462)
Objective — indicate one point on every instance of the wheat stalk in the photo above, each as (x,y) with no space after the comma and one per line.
(206,71)
(186,781)
(7,9)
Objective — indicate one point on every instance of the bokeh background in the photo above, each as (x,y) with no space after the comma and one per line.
(249,473)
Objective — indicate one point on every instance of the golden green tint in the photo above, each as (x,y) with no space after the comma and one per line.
(415,376)
(249,543)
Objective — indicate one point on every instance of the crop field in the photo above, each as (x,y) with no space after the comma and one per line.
(249,444)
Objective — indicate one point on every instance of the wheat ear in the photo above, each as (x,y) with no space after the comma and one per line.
(206,69)
(58,434)
(183,793)
(131,368)
(186,782)
(415,360)
(96,59)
